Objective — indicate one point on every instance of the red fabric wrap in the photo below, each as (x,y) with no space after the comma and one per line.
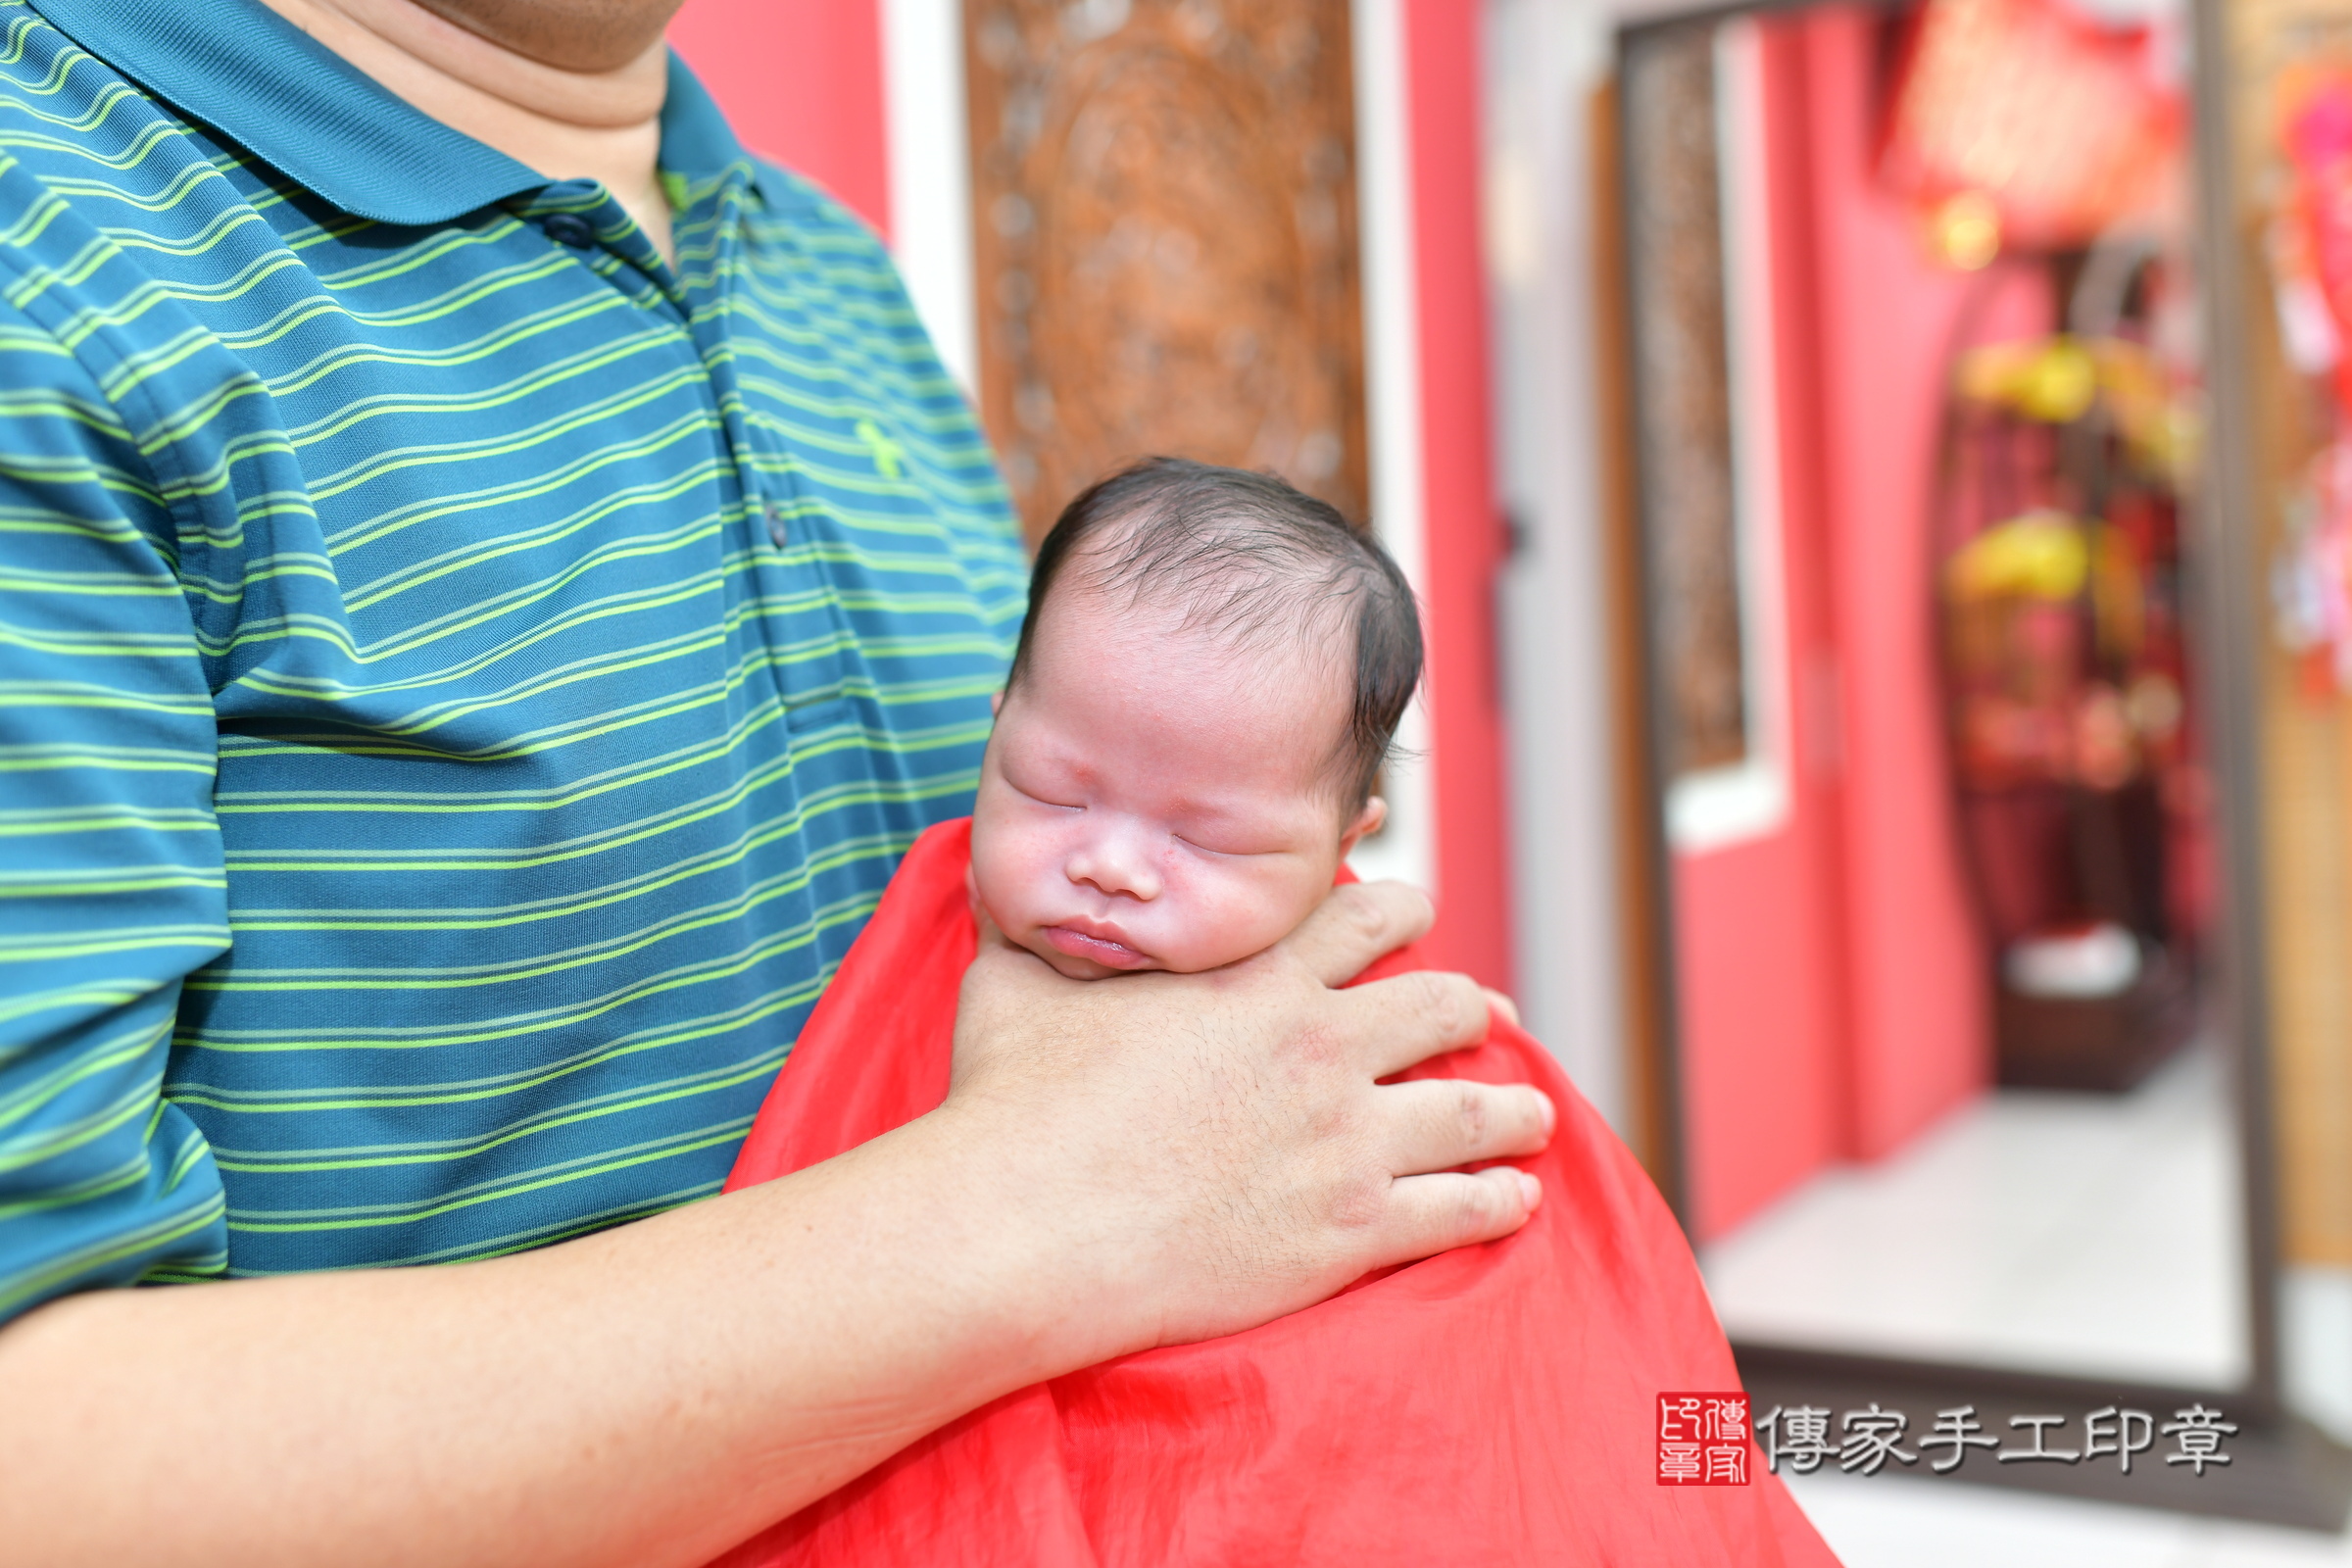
(1494,1405)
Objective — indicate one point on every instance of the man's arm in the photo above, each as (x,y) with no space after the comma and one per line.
(1118,1165)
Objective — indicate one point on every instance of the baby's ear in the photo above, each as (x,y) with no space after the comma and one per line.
(996,701)
(1368,821)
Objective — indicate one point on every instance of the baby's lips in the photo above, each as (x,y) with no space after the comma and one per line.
(1096,930)
(1107,951)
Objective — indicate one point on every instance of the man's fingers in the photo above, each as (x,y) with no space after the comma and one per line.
(1438,1124)
(1356,924)
(1430,1214)
(1408,1019)
(1503,1004)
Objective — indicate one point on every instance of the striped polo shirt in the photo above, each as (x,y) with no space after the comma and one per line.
(462,682)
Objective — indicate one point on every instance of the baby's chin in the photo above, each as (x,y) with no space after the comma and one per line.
(1082,968)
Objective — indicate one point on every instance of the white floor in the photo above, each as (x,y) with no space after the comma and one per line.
(2087,1234)
(1886,1521)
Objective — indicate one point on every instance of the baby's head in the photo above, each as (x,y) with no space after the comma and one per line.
(1210,678)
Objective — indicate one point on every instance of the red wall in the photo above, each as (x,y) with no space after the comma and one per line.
(802,83)
(1764,1072)
(1462,524)
(1832,977)
(1765,1067)
(1920,1006)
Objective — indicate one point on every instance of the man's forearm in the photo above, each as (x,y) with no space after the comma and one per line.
(1134,1162)
(644,1396)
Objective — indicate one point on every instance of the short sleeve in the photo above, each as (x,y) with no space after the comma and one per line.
(112,886)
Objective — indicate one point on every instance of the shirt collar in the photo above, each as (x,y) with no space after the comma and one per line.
(241,67)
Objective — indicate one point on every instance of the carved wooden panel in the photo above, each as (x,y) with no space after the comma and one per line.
(1164,233)
(1682,404)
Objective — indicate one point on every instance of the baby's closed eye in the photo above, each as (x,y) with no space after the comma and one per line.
(1235,848)
(1041,794)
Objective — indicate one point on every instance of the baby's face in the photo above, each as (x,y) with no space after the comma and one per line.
(1152,801)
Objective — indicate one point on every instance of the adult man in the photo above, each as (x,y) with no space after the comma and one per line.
(492,580)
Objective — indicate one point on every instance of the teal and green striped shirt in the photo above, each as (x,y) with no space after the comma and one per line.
(462,682)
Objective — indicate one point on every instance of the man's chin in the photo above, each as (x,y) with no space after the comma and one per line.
(581,35)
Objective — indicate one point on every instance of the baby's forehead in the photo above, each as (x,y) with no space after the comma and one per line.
(1297,650)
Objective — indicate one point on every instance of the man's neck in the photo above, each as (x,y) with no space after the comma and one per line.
(568,124)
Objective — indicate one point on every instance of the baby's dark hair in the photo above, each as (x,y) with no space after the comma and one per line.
(1254,560)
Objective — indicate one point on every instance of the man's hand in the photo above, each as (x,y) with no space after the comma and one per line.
(1207,1152)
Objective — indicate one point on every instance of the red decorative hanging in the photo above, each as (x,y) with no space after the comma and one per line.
(2021,125)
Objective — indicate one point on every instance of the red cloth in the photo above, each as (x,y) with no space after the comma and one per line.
(1494,1405)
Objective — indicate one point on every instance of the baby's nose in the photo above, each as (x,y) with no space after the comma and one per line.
(1116,865)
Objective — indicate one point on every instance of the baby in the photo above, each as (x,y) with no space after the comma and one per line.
(1208,683)
(1211,670)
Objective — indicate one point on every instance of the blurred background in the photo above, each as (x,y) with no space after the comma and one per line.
(1877,478)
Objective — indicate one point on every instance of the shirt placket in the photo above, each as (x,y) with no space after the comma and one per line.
(796,615)
(799,619)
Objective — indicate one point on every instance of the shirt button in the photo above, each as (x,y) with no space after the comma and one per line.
(775,522)
(571,229)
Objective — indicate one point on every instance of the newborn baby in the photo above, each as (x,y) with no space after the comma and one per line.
(1211,671)
(1208,683)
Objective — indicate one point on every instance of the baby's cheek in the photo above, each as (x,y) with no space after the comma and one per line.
(1241,914)
(1000,876)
